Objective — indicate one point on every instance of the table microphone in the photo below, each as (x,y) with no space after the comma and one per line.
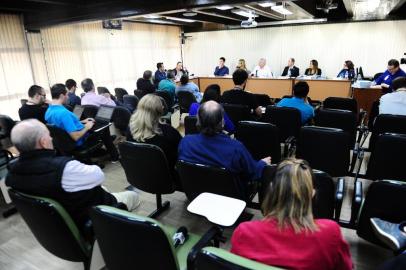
(180,236)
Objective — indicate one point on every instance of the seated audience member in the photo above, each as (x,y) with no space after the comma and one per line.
(35,107)
(288,236)
(168,85)
(385,80)
(91,98)
(73,98)
(238,95)
(146,127)
(39,171)
(145,83)
(101,90)
(160,73)
(262,70)
(394,103)
(79,131)
(242,65)
(299,101)
(214,148)
(179,71)
(186,85)
(348,71)
(313,69)
(221,69)
(291,70)
(212,92)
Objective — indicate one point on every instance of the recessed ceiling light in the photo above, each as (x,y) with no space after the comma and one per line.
(224,7)
(180,19)
(267,4)
(282,10)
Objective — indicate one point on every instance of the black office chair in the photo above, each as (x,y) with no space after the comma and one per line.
(377,75)
(53,227)
(237,113)
(288,120)
(120,93)
(263,100)
(126,239)
(89,111)
(261,139)
(387,123)
(326,149)
(130,102)
(5,158)
(190,125)
(340,103)
(6,125)
(185,99)
(138,93)
(168,100)
(121,118)
(23,101)
(373,114)
(147,169)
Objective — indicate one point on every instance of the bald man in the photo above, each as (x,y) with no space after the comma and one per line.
(212,147)
(76,186)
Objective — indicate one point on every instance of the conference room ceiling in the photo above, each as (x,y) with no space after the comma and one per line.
(197,15)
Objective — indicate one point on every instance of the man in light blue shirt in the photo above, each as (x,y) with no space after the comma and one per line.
(168,85)
(191,87)
(299,101)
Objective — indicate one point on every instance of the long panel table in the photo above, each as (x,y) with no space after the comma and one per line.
(322,89)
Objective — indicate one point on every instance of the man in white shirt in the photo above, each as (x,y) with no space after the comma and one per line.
(262,70)
(395,102)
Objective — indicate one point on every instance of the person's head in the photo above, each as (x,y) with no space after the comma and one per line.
(399,83)
(240,77)
(314,64)
(349,65)
(212,92)
(241,64)
(37,94)
(147,75)
(144,123)
(179,66)
(184,79)
(291,62)
(301,89)
(262,62)
(210,118)
(393,66)
(290,194)
(170,75)
(160,66)
(29,135)
(59,93)
(87,85)
(71,85)
(222,60)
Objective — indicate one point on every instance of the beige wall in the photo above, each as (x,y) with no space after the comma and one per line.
(369,44)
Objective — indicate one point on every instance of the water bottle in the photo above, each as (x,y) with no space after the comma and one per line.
(256,73)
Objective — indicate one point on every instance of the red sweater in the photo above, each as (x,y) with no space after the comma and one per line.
(264,242)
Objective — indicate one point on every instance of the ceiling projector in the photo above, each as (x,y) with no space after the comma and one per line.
(249,23)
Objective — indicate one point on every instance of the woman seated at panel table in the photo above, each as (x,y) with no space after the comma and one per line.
(348,71)
(288,236)
(313,68)
(242,65)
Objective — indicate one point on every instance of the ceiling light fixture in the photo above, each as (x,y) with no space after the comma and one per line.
(152,16)
(267,4)
(244,13)
(179,19)
(282,10)
(189,13)
(224,7)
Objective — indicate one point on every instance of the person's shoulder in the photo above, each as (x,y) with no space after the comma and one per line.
(328,227)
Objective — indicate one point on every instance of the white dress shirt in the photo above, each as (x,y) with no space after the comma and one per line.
(264,72)
(78,176)
(393,103)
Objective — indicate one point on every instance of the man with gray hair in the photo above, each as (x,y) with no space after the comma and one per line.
(262,70)
(40,172)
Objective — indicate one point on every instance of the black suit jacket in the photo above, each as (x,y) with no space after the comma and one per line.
(293,73)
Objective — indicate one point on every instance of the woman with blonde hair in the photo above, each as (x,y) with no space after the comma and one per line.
(289,236)
(241,65)
(146,127)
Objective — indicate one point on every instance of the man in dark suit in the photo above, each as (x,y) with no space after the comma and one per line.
(290,70)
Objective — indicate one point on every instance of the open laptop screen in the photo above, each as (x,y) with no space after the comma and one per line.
(104,113)
(78,111)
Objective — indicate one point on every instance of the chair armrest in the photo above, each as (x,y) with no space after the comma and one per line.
(339,197)
(356,202)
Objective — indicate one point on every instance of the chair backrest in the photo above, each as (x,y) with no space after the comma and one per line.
(261,139)
(121,118)
(131,102)
(146,167)
(263,100)
(326,149)
(377,75)
(89,111)
(23,101)
(288,120)
(211,258)
(198,178)
(386,161)
(52,226)
(185,99)
(387,123)
(237,113)
(341,119)
(165,95)
(373,114)
(6,125)
(62,141)
(126,239)
(341,103)
(385,200)
(120,92)
(190,125)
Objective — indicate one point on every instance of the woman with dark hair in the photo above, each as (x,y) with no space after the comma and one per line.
(313,68)
(212,92)
(348,71)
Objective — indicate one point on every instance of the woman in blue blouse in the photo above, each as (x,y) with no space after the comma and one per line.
(212,92)
(348,71)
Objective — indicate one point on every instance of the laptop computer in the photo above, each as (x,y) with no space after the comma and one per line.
(78,111)
(103,118)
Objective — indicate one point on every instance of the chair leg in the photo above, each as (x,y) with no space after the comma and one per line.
(160,207)
(9,212)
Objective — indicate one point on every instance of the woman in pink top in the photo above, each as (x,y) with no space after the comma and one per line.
(289,237)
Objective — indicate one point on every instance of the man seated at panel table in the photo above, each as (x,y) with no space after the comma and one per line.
(291,70)
(91,98)
(238,95)
(214,148)
(262,70)
(40,172)
(221,69)
(160,73)
(394,103)
(36,105)
(299,101)
(385,80)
